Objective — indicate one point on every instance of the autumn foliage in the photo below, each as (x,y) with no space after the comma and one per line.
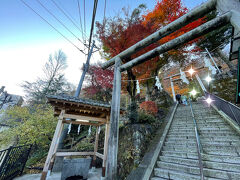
(100,83)
(121,32)
(165,12)
(149,107)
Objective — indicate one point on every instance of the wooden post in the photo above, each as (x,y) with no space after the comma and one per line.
(56,146)
(53,145)
(95,147)
(114,120)
(105,147)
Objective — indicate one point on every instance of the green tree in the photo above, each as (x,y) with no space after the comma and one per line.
(29,125)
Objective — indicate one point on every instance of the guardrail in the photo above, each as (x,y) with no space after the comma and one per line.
(199,146)
(228,108)
(12,161)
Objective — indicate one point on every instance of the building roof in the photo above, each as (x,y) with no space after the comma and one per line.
(78,106)
(64,97)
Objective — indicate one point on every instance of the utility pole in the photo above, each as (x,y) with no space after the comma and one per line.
(85,70)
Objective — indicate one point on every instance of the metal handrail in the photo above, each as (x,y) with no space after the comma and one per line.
(199,146)
(223,104)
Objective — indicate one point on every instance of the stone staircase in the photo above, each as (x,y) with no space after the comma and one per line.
(221,147)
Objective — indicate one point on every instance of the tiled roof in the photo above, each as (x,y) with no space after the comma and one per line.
(68,98)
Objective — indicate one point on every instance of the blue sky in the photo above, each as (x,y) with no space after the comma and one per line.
(26,40)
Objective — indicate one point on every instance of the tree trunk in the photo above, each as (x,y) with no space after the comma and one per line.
(231,66)
(131,88)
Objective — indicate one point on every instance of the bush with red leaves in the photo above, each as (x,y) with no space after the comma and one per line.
(149,107)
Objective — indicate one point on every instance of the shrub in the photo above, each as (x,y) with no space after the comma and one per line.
(145,117)
(149,107)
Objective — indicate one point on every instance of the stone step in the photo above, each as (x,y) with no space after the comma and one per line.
(219,134)
(187,155)
(209,124)
(181,133)
(199,121)
(221,150)
(170,174)
(202,128)
(206,164)
(216,136)
(180,148)
(204,143)
(201,131)
(195,170)
(159,178)
(223,159)
(203,138)
(179,167)
(177,160)
(209,149)
(206,157)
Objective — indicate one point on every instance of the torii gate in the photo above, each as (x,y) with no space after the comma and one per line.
(229,13)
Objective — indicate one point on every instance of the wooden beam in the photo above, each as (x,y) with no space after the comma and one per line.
(81,113)
(203,29)
(83,123)
(52,147)
(65,154)
(99,155)
(86,118)
(193,15)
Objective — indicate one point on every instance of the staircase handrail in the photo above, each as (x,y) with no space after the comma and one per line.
(199,146)
(234,111)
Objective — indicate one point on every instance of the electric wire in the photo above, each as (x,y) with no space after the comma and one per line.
(80,18)
(65,14)
(27,5)
(59,21)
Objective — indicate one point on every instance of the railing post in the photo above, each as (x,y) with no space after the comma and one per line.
(25,161)
(114,121)
(238,79)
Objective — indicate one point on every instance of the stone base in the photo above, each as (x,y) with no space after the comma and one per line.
(75,167)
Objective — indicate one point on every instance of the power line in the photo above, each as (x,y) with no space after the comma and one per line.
(93,20)
(59,21)
(80,19)
(65,14)
(51,25)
